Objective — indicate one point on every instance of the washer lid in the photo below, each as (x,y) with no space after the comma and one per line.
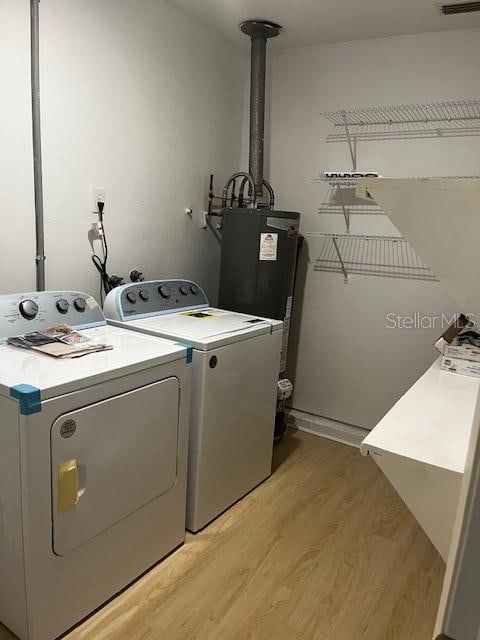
(206,328)
(53,376)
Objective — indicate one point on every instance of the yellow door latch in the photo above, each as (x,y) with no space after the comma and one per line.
(67,495)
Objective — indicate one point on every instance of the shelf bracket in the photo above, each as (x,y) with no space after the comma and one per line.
(351,143)
(339,255)
(346,212)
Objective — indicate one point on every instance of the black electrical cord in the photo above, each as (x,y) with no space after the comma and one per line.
(101,262)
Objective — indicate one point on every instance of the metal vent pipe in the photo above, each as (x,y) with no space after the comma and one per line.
(259,31)
(37,144)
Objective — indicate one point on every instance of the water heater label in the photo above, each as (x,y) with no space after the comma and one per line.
(268,246)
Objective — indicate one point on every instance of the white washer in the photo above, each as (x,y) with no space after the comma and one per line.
(234,386)
(93,461)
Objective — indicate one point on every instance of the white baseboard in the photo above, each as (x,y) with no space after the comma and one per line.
(326,428)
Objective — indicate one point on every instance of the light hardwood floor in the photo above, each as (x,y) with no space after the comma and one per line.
(324,550)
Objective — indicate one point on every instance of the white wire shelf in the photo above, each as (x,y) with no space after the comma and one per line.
(348,210)
(385,256)
(350,183)
(346,183)
(357,209)
(448,119)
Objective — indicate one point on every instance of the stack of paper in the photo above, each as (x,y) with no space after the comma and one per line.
(462,355)
(60,341)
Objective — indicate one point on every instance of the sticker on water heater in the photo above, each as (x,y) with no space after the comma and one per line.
(268,246)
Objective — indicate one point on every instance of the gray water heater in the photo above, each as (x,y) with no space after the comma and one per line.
(259,243)
(259,249)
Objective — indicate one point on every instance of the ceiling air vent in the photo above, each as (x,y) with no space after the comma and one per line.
(459,7)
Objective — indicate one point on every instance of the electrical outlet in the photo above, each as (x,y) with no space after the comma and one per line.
(97,230)
(98,195)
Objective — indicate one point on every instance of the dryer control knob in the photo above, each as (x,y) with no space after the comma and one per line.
(80,304)
(184,290)
(132,297)
(194,289)
(28,309)
(62,305)
(165,291)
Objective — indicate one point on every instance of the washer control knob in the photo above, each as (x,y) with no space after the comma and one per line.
(144,295)
(62,305)
(164,291)
(80,304)
(132,297)
(184,290)
(28,309)
(194,289)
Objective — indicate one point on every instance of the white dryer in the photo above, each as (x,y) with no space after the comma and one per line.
(234,386)
(93,460)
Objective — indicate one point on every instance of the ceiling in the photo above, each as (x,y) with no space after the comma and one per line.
(313,22)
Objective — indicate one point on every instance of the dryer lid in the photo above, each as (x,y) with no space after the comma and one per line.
(131,353)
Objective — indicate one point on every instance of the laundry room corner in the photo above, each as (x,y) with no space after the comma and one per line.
(108,124)
(368,340)
(239,320)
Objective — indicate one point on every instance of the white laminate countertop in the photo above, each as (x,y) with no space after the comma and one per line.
(431,423)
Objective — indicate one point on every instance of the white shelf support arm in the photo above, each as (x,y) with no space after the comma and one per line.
(346,212)
(351,143)
(340,259)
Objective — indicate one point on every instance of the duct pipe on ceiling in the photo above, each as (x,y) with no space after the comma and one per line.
(259,31)
(37,143)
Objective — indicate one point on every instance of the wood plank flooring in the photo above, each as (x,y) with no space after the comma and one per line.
(323,550)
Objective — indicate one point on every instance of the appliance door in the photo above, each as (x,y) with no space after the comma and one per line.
(110,458)
(459,612)
(232,424)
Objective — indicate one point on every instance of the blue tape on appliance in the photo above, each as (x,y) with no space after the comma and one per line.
(189,349)
(29,398)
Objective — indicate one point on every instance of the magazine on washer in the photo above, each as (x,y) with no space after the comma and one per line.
(59,341)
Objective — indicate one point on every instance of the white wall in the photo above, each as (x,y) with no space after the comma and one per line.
(137,98)
(17,236)
(347,365)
